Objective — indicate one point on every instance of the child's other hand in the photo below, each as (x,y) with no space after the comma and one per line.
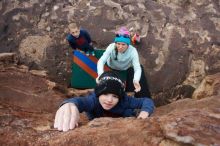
(137,86)
(67,117)
(143,115)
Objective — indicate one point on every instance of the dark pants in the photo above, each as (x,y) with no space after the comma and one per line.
(144,92)
(89,48)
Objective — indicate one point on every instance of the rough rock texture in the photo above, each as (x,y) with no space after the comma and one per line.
(28,102)
(188,127)
(22,89)
(179,39)
(208,87)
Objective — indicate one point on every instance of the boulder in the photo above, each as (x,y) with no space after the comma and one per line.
(179,39)
(29,103)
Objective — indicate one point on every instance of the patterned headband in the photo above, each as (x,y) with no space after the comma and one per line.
(103,79)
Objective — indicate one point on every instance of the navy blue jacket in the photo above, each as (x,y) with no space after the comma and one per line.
(82,42)
(126,107)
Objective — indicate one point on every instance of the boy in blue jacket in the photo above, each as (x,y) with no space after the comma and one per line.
(109,99)
(80,39)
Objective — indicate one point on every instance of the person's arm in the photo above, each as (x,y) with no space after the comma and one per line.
(70,40)
(67,116)
(87,36)
(137,70)
(146,109)
(103,59)
(146,105)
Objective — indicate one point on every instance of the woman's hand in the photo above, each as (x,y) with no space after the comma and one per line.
(67,117)
(143,115)
(97,80)
(137,86)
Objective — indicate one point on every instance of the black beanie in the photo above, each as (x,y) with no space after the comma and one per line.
(109,82)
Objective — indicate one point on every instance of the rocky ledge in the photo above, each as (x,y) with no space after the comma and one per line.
(28,102)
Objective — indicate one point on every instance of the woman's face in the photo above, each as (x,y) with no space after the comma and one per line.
(108,101)
(122,47)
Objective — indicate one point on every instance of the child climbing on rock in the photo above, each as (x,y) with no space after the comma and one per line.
(108,99)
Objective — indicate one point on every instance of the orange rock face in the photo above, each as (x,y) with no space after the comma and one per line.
(209,87)
(28,106)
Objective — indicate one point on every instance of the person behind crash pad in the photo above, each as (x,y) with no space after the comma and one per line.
(108,100)
(80,39)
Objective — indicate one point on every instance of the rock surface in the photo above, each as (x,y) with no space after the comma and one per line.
(179,39)
(28,103)
(187,127)
(208,87)
(179,50)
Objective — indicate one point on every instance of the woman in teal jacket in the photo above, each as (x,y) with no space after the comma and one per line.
(121,56)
